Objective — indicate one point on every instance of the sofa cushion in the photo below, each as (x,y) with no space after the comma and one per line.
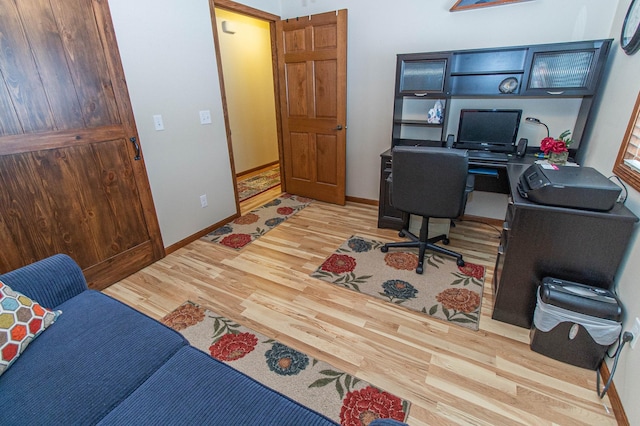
(98,352)
(21,321)
(194,388)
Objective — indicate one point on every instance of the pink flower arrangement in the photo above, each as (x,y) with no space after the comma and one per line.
(561,144)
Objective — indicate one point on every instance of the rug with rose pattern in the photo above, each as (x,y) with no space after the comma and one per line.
(313,383)
(259,183)
(251,226)
(444,290)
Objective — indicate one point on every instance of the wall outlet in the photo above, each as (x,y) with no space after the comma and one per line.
(203,201)
(635,330)
(205,117)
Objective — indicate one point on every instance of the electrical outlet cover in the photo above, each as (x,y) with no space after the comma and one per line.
(205,117)
(635,330)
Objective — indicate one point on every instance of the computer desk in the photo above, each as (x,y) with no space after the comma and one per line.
(539,241)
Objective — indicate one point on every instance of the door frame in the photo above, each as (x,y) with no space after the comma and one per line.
(265,16)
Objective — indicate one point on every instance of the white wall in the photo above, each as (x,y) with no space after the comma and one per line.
(169,62)
(619,94)
(247,66)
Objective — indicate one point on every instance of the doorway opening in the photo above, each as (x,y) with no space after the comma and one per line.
(247,59)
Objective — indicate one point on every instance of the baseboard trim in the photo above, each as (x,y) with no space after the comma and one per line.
(198,235)
(362,200)
(255,169)
(616,404)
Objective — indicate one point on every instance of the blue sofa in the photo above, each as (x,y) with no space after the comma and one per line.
(103,362)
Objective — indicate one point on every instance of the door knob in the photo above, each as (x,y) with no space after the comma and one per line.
(338,127)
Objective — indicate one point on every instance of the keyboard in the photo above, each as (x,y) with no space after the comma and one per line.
(500,157)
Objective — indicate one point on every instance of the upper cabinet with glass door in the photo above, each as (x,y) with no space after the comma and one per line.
(568,69)
(422,74)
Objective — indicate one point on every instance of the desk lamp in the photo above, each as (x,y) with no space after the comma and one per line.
(536,121)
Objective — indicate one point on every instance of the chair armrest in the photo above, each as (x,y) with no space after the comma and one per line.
(49,281)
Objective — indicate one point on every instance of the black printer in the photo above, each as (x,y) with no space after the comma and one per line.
(568,186)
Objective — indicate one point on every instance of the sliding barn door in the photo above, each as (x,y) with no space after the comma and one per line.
(72,178)
(312,62)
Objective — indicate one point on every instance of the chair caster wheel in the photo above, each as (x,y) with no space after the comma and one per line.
(445,241)
(384,249)
(460,262)
(401,234)
(419,270)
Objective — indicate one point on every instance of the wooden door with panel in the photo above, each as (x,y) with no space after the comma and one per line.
(312,53)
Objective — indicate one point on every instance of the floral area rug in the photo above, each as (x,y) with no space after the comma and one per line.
(254,185)
(253,225)
(313,383)
(444,290)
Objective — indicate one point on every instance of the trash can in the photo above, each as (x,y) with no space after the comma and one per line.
(575,323)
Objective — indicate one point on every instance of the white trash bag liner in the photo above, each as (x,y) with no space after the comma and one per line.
(604,332)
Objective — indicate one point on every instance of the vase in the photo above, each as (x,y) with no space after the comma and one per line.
(558,157)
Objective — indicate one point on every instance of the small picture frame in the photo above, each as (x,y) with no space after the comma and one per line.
(476,4)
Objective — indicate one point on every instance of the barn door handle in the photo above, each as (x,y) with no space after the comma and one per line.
(134,141)
(338,127)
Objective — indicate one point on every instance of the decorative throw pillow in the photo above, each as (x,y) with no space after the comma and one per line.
(21,321)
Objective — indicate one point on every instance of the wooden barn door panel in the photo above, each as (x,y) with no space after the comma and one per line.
(70,181)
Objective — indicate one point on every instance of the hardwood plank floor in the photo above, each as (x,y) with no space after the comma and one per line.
(450,374)
(261,198)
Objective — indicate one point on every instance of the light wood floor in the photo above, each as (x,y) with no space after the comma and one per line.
(450,374)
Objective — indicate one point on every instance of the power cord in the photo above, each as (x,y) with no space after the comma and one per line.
(626,337)
(623,198)
(495,228)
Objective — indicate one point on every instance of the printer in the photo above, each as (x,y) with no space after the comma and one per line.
(568,186)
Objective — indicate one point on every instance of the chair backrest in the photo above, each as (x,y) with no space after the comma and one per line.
(429,181)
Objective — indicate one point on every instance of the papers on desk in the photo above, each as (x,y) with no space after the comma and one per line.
(545,164)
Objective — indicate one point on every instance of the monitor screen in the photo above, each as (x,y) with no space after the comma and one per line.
(488,129)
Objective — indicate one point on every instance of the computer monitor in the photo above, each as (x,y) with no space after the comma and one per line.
(488,129)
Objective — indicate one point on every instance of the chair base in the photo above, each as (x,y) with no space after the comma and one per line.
(423,244)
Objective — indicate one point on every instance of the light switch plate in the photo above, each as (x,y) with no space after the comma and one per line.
(157,122)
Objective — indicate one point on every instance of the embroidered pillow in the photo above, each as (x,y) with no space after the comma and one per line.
(21,321)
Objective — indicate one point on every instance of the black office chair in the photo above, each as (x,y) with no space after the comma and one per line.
(432,183)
